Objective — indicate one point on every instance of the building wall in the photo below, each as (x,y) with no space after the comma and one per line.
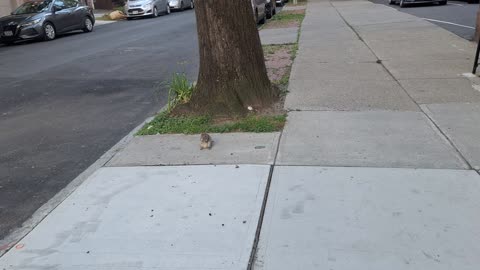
(7,6)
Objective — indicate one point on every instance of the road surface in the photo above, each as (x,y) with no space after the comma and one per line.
(457,17)
(64,103)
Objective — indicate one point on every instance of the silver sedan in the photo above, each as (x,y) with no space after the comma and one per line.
(181,4)
(142,8)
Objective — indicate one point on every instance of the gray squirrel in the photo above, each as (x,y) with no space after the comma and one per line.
(205,141)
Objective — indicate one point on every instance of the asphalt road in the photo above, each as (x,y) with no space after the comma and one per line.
(457,17)
(64,103)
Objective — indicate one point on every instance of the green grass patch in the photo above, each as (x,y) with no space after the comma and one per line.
(167,124)
(285,16)
(180,90)
(271,49)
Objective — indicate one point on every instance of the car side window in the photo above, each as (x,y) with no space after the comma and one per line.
(59,4)
(70,3)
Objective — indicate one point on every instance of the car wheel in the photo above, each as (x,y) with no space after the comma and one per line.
(154,12)
(282,3)
(87,25)
(268,13)
(391,2)
(402,3)
(264,19)
(192,5)
(49,32)
(168,10)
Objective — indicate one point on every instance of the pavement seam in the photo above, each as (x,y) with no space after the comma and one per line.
(253,253)
(434,125)
(440,131)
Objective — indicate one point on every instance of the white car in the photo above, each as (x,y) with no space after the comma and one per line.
(181,4)
(143,8)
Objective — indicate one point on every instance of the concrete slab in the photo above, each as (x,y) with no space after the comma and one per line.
(441,90)
(365,139)
(460,122)
(430,49)
(374,15)
(375,219)
(200,217)
(279,36)
(428,69)
(412,25)
(314,35)
(290,8)
(348,95)
(348,50)
(333,35)
(339,71)
(179,149)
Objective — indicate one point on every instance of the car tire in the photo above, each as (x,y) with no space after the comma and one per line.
(264,19)
(402,4)
(87,25)
(168,10)
(282,3)
(154,12)
(49,32)
(192,5)
(269,13)
(391,2)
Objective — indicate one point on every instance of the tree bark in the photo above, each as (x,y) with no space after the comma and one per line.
(232,73)
(477,30)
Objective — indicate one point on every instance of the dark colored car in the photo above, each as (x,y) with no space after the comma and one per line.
(271,8)
(45,19)
(403,3)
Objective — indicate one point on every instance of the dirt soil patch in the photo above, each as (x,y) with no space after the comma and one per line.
(279,63)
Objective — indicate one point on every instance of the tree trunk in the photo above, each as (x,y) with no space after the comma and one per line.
(232,73)
(477,30)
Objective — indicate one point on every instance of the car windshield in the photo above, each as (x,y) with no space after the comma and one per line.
(32,7)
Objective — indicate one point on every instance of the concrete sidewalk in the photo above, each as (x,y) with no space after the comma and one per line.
(376,169)
(378,96)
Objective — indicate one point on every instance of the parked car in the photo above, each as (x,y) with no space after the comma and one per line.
(259,10)
(181,4)
(45,19)
(403,3)
(271,8)
(281,2)
(146,8)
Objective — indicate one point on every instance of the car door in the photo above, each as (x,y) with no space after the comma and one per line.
(76,17)
(61,16)
(262,8)
(161,5)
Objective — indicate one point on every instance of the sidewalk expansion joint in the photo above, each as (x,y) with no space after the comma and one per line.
(253,254)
